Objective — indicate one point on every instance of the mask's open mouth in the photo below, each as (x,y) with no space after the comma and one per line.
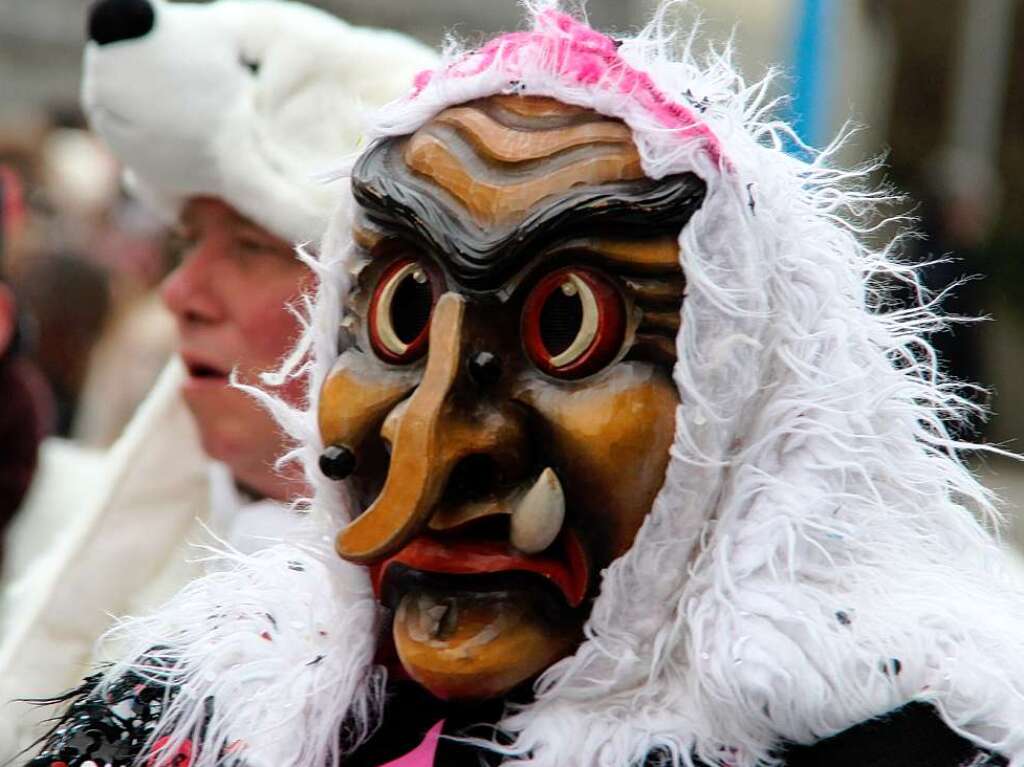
(470,564)
(473,618)
(424,592)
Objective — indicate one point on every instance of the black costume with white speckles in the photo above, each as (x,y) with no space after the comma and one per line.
(111,726)
(115,728)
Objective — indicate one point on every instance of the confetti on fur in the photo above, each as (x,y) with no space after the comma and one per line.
(816,524)
(281,641)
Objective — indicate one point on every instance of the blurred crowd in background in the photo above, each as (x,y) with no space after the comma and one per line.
(938,87)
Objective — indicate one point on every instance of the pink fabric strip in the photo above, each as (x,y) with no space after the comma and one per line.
(583,56)
(423,754)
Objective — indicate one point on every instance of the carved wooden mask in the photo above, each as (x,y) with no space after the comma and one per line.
(505,408)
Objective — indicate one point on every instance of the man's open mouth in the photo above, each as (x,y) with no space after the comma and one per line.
(443,565)
(204,370)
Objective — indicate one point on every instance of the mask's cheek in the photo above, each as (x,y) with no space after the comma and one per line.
(608,439)
(356,397)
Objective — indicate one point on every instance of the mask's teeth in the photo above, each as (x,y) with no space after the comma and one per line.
(538,518)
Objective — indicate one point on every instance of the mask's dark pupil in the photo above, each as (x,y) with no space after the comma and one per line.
(410,308)
(560,320)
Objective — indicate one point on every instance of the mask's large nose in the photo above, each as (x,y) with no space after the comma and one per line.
(435,436)
(111,21)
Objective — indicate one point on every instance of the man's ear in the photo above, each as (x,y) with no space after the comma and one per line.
(8,317)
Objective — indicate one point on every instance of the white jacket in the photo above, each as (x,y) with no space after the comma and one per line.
(122,524)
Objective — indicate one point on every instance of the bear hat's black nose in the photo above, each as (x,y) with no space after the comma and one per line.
(113,20)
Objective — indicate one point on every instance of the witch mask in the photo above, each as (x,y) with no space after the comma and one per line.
(505,409)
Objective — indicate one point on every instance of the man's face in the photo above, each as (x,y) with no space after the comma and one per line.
(507,397)
(228,296)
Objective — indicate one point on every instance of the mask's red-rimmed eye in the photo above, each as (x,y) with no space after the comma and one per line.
(573,323)
(400,309)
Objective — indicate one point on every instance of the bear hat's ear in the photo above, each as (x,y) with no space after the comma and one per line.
(111,21)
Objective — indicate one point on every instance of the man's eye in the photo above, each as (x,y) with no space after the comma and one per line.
(177,246)
(400,309)
(573,323)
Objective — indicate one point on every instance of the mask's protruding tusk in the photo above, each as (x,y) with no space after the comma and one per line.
(420,459)
(538,518)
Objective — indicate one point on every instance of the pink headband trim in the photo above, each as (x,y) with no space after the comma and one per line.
(583,56)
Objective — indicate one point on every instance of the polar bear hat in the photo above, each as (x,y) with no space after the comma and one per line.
(244,100)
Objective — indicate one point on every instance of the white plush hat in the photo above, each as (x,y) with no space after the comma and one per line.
(244,100)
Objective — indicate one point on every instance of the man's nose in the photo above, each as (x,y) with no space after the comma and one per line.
(449,432)
(188,290)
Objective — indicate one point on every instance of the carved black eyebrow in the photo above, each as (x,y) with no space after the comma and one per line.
(482,258)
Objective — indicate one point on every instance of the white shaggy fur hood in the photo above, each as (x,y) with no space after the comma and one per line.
(243,100)
(814,557)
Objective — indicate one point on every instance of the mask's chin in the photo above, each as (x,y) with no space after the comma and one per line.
(471,638)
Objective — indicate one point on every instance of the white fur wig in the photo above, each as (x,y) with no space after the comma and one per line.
(814,557)
(244,100)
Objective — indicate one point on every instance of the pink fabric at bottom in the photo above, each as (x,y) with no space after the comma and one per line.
(423,754)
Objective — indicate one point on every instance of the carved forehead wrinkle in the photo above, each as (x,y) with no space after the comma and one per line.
(498,171)
(488,183)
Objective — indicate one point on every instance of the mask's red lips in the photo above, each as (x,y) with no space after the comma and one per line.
(460,556)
